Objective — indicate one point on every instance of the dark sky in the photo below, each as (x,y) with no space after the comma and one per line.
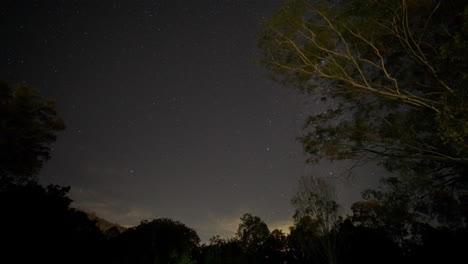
(167,112)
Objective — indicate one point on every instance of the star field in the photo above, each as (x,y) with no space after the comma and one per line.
(167,112)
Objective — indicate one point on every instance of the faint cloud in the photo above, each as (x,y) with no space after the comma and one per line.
(227,225)
(114,171)
(282,225)
(110,209)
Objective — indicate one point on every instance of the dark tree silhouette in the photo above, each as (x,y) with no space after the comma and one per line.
(275,249)
(305,241)
(28,125)
(220,250)
(359,244)
(252,235)
(157,241)
(38,225)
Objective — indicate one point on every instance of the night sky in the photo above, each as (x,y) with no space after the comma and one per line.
(168,113)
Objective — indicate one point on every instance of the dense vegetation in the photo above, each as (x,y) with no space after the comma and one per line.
(38,225)
(391,76)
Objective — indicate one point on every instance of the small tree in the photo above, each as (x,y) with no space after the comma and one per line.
(315,197)
(28,125)
(158,241)
(315,204)
(252,235)
(275,249)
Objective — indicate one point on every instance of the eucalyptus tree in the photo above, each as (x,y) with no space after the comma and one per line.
(393,77)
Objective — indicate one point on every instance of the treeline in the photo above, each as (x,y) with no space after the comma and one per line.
(39,225)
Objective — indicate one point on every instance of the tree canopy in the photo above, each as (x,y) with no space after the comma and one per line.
(252,233)
(158,241)
(28,125)
(38,224)
(392,76)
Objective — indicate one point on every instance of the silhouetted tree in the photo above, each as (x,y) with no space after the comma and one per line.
(401,203)
(28,125)
(275,249)
(360,244)
(439,245)
(393,222)
(315,197)
(305,241)
(38,225)
(315,204)
(252,235)
(157,241)
(220,250)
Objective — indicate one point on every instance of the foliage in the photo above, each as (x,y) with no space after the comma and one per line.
(393,75)
(275,248)
(361,244)
(403,203)
(158,241)
(252,233)
(221,250)
(28,125)
(38,225)
(315,198)
(316,217)
(305,241)
(438,245)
